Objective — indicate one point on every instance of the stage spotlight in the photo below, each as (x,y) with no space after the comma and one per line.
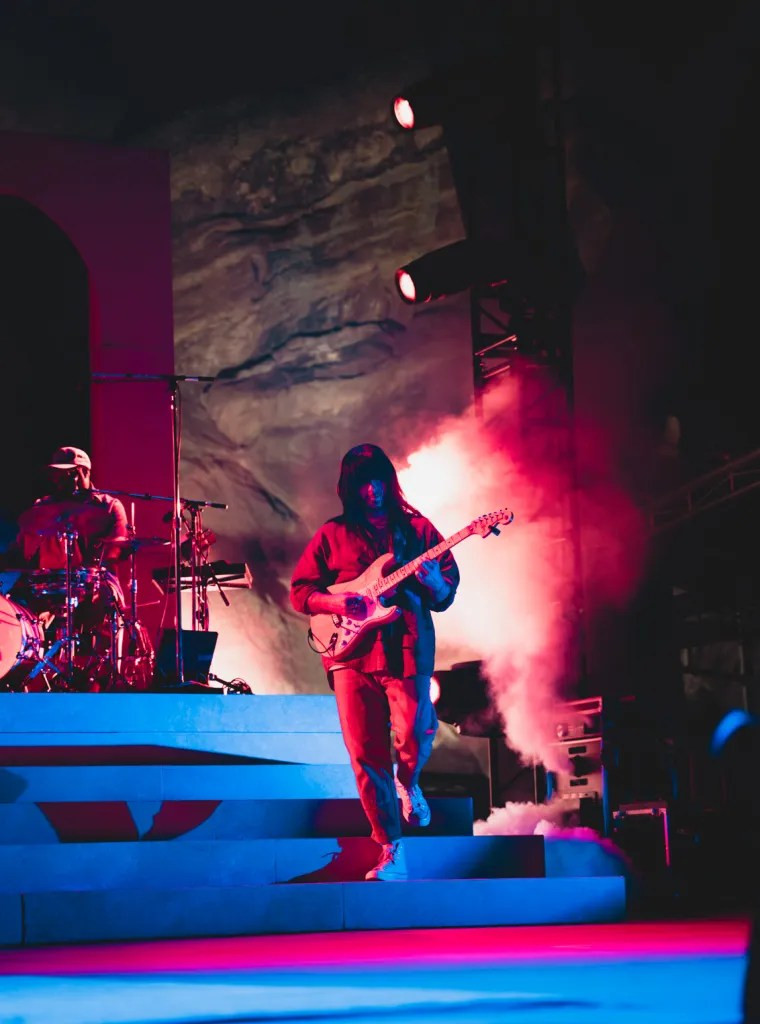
(403,111)
(463,90)
(454,268)
(406,286)
(421,105)
(435,690)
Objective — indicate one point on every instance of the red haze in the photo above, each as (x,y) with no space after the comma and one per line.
(514,609)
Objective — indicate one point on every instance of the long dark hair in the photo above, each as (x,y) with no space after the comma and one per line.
(363,463)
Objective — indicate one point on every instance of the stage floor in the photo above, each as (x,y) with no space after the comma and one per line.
(679,972)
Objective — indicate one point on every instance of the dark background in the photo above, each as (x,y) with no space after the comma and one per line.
(663,98)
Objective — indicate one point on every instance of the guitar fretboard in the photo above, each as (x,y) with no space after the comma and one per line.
(385,583)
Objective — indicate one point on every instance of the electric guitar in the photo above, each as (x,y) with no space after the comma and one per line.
(335,636)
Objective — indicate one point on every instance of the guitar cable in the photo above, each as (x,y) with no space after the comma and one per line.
(329,649)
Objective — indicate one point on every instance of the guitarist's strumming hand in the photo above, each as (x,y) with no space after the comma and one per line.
(353,606)
(430,576)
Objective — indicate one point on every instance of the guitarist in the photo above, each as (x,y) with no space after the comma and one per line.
(385,683)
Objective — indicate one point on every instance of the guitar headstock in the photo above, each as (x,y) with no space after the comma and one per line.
(491,521)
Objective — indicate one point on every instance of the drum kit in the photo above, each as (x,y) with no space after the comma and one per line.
(70,629)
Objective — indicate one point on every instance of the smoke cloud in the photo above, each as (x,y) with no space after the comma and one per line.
(517,609)
(525,819)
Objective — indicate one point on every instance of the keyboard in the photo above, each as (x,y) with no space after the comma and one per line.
(231,575)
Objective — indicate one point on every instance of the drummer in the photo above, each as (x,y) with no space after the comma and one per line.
(102,517)
(92,518)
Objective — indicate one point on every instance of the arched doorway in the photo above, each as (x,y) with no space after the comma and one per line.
(44,339)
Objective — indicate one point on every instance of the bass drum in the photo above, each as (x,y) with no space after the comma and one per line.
(137,658)
(21,643)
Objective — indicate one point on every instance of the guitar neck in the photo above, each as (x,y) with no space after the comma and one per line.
(386,583)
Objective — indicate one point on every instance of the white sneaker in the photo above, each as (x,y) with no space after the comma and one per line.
(414,806)
(391,867)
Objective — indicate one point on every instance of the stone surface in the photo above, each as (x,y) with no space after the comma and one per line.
(288,229)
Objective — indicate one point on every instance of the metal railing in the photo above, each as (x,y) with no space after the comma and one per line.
(735,478)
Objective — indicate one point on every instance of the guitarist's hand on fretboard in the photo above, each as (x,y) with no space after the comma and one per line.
(430,576)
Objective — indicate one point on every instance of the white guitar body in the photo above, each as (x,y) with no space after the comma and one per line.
(336,636)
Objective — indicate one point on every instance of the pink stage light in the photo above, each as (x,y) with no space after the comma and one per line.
(511,610)
(435,690)
(406,286)
(573,943)
(403,112)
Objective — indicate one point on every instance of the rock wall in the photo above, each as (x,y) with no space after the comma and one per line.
(288,227)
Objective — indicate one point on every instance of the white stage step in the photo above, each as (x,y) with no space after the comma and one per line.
(176,782)
(124,914)
(121,714)
(104,821)
(164,865)
(126,748)
(212,843)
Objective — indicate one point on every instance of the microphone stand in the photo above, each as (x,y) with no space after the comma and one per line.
(173,380)
(201,569)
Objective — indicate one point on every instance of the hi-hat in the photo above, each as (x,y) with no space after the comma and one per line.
(136,543)
(48,518)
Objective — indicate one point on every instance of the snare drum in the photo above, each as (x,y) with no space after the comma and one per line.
(47,587)
(21,639)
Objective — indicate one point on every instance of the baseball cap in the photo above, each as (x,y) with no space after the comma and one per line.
(68,458)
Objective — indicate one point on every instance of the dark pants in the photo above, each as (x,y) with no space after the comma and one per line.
(370,705)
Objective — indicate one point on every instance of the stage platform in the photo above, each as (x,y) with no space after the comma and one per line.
(660,972)
(145,816)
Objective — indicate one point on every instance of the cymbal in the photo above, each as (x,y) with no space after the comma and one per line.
(52,517)
(136,543)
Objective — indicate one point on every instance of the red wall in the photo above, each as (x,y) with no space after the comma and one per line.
(114,205)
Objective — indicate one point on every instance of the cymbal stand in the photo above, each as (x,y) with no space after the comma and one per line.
(113,651)
(69,536)
(132,640)
(132,533)
(194,530)
(67,642)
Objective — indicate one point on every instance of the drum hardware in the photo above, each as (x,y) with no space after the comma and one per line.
(53,593)
(131,654)
(196,577)
(69,536)
(52,645)
(133,544)
(44,584)
(67,520)
(45,662)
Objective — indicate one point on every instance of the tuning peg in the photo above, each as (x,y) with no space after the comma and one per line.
(495,529)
